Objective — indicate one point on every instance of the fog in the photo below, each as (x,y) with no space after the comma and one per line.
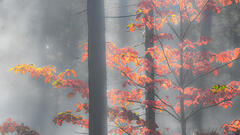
(41,32)
(48,32)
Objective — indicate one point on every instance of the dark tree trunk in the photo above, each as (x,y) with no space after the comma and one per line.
(184,127)
(97,68)
(150,114)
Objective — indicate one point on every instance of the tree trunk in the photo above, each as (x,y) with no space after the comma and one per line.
(150,114)
(184,127)
(97,68)
(183,120)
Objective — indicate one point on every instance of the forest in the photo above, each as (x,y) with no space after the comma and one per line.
(120,67)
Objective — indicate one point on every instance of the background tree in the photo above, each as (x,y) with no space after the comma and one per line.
(97,68)
(201,65)
(171,65)
(150,113)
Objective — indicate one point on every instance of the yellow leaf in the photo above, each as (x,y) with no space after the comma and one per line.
(173,19)
(127,103)
(11,69)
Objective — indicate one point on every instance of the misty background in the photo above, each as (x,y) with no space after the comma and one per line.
(48,32)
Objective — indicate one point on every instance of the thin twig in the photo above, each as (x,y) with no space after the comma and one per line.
(167,105)
(119,17)
(81,133)
(176,117)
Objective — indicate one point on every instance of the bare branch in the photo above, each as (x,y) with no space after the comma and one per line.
(165,110)
(124,130)
(123,16)
(81,133)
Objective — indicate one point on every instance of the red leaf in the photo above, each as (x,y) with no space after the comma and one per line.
(230,65)
(131,27)
(177,108)
(215,72)
(236,53)
(211,59)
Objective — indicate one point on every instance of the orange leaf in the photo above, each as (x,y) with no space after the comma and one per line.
(74,73)
(70,95)
(215,72)
(131,27)
(47,80)
(211,59)
(236,53)
(229,2)
(230,65)
(177,108)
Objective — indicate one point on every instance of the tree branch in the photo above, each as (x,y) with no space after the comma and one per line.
(171,27)
(203,75)
(165,110)
(166,58)
(119,17)
(202,108)
(167,105)
(185,32)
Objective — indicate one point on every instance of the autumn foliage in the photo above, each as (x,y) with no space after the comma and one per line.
(68,116)
(10,126)
(172,65)
(58,80)
(233,127)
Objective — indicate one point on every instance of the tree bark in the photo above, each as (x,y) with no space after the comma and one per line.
(150,114)
(97,68)
(184,127)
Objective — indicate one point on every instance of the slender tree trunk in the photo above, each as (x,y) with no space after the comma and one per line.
(150,114)
(184,127)
(97,68)
(183,121)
